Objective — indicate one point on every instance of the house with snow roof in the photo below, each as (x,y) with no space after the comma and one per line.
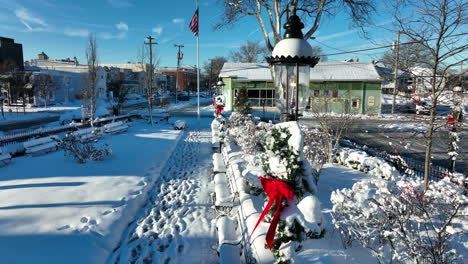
(340,87)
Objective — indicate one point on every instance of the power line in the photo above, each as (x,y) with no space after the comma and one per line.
(387,46)
(359,53)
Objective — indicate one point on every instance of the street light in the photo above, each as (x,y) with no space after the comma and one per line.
(291,59)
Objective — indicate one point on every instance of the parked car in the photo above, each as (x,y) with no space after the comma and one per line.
(423,108)
(183,97)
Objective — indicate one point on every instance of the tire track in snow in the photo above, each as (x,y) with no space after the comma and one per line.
(176,225)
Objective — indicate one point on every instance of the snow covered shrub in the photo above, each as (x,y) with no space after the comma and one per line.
(244,132)
(283,159)
(236,123)
(314,150)
(359,160)
(82,151)
(401,223)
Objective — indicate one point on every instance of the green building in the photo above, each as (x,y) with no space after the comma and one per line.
(352,87)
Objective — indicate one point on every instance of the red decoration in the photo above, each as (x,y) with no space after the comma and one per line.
(219,108)
(450,121)
(276,190)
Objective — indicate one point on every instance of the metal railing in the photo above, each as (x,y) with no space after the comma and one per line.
(404,164)
(43,132)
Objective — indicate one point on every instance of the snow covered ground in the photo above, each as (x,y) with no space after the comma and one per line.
(388,99)
(330,249)
(175,226)
(416,127)
(54,210)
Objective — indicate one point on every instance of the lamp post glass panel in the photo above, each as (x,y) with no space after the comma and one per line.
(291,61)
(220,85)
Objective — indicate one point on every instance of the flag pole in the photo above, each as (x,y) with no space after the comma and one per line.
(198,67)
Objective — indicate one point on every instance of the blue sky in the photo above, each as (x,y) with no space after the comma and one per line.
(60,29)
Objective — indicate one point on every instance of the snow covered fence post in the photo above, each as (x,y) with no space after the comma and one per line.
(289,176)
(218,125)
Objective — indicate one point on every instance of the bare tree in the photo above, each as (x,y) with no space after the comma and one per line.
(270,14)
(251,51)
(440,27)
(119,92)
(332,127)
(148,68)
(409,56)
(318,52)
(44,87)
(213,67)
(14,85)
(90,81)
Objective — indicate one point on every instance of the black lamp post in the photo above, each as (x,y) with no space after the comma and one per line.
(291,59)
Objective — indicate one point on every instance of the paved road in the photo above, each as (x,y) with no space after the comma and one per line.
(376,134)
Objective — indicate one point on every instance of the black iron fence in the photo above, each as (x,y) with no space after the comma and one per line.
(404,164)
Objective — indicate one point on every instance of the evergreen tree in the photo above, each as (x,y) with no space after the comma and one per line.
(241,103)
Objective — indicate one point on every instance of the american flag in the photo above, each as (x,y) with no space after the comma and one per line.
(194,23)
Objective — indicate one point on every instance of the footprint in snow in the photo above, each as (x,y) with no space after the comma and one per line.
(136,193)
(63,227)
(142,183)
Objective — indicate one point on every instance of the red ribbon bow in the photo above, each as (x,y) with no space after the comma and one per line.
(219,108)
(276,190)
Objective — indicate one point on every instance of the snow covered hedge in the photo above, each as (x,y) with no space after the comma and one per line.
(401,223)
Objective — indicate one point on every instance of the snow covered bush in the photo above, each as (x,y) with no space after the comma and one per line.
(81,151)
(314,151)
(283,159)
(360,160)
(400,223)
(244,132)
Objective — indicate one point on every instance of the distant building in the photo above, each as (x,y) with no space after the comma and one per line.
(352,87)
(42,56)
(187,78)
(73,75)
(421,80)
(11,55)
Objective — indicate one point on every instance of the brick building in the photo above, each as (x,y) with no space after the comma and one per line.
(11,55)
(187,77)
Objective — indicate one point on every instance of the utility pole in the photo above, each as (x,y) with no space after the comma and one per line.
(397,48)
(150,84)
(180,55)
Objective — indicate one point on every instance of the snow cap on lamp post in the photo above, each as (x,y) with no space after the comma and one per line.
(291,59)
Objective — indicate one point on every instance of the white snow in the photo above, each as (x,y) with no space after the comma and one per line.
(329,249)
(54,210)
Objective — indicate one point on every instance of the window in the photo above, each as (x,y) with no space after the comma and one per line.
(261,97)
(253,93)
(355,103)
(316,93)
(335,93)
(326,93)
